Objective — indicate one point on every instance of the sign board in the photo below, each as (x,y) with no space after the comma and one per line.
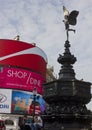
(5,100)
(22,54)
(16,78)
(23,103)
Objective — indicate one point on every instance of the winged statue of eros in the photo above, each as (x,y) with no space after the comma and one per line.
(70,18)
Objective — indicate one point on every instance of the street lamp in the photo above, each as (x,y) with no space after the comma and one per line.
(34,100)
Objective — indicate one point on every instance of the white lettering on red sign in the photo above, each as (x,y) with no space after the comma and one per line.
(32,80)
(16,74)
(23,75)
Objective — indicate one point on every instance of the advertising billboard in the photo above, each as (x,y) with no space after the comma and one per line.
(20,102)
(22,54)
(22,69)
(5,101)
(21,79)
(23,103)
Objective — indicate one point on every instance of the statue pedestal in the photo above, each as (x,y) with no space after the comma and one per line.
(67,98)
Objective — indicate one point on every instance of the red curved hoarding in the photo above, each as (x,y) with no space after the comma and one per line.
(22,68)
(22,54)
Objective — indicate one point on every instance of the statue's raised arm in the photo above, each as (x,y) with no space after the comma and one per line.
(69,19)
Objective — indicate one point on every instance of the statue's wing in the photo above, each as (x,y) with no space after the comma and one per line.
(73,17)
(66,13)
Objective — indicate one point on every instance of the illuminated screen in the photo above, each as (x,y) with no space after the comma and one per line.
(20,102)
(16,78)
(22,54)
(23,102)
(5,100)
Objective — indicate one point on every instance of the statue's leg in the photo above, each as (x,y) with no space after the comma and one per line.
(72,30)
(67,35)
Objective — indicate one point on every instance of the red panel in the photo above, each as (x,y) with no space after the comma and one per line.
(11,46)
(21,79)
(28,61)
(21,54)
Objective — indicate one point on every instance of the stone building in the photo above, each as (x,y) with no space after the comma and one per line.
(50,76)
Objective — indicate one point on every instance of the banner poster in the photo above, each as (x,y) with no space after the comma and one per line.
(23,103)
(5,100)
(21,79)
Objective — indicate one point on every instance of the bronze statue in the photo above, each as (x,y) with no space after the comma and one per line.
(69,19)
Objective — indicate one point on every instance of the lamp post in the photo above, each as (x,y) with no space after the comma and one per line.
(34,99)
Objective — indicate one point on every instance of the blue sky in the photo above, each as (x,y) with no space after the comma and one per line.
(40,21)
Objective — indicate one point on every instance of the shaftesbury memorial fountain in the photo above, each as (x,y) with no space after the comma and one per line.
(67,96)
